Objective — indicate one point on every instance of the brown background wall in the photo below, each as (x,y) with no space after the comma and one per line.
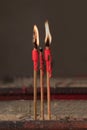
(68,25)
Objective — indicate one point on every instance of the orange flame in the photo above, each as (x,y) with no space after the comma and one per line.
(48,36)
(35,35)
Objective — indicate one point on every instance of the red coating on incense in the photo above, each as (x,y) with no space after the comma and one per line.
(35,59)
(41,62)
(48,59)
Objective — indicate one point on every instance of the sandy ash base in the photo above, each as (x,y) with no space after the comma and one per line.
(60,110)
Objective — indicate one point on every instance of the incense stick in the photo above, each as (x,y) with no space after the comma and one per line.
(35,95)
(48,59)
(35,62)
(41,84)
(48,96)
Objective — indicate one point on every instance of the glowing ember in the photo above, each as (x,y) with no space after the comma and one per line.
(35,35)
(48,37)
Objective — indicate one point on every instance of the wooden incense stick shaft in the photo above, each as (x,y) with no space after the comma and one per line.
(48,96)
(42,94)
(35,95)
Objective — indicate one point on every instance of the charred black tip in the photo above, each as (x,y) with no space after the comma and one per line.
(35,44)
(47,43)
(40,48)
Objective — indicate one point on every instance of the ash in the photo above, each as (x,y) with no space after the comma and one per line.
(60,110)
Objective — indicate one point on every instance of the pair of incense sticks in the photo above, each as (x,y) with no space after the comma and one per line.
(48,59)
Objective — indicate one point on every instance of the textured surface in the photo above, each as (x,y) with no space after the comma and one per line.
(23,110)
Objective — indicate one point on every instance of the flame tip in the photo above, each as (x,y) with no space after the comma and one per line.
(36,35)
(48,34)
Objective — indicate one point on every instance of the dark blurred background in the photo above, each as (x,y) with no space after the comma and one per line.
(68,26)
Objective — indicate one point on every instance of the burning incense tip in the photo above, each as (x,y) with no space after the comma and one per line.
(48,37)
(35,35)
(40,48)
